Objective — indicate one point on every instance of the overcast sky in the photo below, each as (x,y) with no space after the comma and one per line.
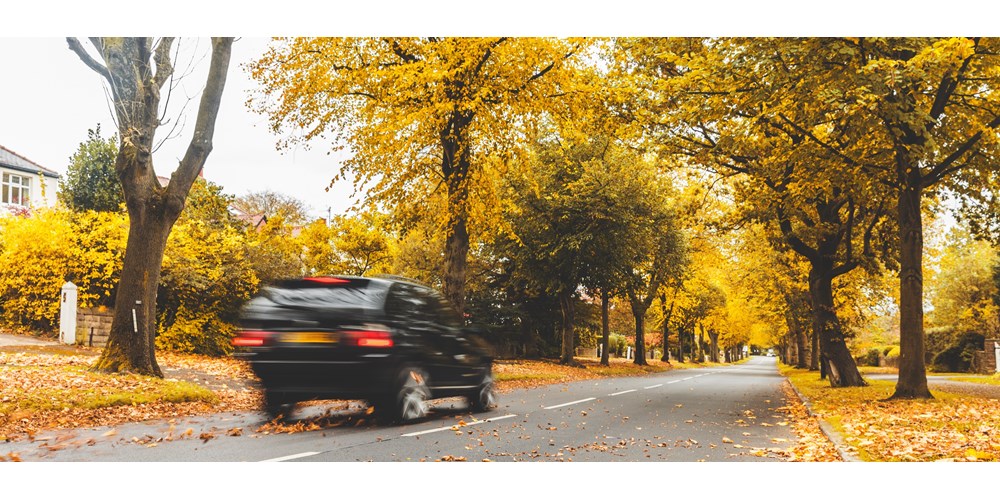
(50,101)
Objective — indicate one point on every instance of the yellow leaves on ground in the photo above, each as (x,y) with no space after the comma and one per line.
(56,391)
(948,428)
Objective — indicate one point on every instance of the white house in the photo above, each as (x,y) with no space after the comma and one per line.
(25,183)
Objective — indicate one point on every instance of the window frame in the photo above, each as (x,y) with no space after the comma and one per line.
(8,186)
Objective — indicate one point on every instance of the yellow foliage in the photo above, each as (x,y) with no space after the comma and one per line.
(40,252)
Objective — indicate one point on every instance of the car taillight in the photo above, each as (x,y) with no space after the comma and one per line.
(328,280)
(368,336)
(250,338)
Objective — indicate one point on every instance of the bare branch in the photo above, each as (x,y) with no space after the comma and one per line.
(101,69)
(164,67)
(204,129)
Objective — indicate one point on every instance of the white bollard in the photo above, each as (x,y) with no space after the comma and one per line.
(996,352)
(67,314)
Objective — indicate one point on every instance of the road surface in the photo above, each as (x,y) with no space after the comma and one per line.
(713,414)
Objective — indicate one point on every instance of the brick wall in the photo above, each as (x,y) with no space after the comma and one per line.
(96,319)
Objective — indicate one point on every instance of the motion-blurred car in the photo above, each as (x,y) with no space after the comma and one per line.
(392,342)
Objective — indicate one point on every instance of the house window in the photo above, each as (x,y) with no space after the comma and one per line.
(14,189)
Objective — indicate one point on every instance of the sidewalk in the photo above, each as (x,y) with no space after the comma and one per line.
(7,339)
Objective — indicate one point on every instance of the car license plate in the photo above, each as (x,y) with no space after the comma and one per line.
(310,338)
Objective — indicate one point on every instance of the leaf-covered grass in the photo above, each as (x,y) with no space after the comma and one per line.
(519,374)
(949,427)
(34,389)
(54,388)
(982,379)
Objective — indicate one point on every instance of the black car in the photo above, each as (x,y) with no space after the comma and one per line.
(389,341)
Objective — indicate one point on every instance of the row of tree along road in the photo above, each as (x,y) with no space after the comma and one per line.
(759,190)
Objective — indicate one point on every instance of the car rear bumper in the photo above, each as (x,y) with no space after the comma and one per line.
(365,377)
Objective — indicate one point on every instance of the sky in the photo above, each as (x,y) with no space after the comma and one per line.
(48,108)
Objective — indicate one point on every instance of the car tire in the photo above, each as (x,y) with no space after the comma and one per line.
(278,405)
(407,402)
(485,396)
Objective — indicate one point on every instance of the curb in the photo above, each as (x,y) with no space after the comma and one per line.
(827,429)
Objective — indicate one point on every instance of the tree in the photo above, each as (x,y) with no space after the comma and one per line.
(431,122)
(747,109)
(271,204)
(136,70)
(355,245)
(90,182)
(937,109)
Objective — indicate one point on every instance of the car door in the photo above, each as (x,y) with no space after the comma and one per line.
(415,314)
(465,363)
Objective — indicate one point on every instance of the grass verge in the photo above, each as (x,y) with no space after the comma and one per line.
(950,427)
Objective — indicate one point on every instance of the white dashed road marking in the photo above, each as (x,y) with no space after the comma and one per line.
(567,404)
(451,427)
(292,457)
(622,392)
(653,386)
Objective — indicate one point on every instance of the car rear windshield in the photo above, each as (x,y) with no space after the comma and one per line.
(307,295)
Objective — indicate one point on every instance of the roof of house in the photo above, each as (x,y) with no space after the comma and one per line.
(12,160)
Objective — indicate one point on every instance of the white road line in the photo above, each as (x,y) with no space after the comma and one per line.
(292,457)
(567,404)
(451,427)
(673,381)
(622,392)
(653,386)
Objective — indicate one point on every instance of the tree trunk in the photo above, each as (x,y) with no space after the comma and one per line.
(667,313)
(836,358)
(131,345)
(605,327)
(798,338)
(912,382)
(680,345)
(136,69)
(714,336)
(455,164)
(566,327)
(639,312)
(701,342)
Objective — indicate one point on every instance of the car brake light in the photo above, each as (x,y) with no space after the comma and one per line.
(369,336)
(251,338)
(329,280)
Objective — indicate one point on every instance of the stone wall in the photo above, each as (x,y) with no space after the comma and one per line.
(96,320)
(985,361)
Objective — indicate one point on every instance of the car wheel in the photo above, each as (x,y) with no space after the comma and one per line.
(278,405)
(408,400)
(485,396)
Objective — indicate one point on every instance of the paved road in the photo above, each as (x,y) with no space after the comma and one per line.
(710,414)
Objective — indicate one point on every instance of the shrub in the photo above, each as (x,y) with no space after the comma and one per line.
(197,334)
(958,356)
(870,358)
(617,344)
(41,251)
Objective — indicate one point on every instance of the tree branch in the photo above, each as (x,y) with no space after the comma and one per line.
(204,129)
(99,68)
